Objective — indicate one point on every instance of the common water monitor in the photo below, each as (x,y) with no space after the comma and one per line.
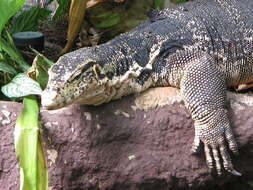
(201,47)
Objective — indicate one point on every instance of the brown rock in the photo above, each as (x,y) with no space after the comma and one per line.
(119,146)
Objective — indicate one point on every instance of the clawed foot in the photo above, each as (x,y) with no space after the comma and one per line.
(216,152)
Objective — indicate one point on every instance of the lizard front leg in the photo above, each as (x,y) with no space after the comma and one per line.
(204,92)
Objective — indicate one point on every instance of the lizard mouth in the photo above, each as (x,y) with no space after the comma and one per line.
(50,101)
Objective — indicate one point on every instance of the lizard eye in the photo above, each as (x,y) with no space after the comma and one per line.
(78,74)
(97,71)
(88,65)
(75,77)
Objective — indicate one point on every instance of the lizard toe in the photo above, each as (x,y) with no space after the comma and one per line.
(227,163)
(209,157)
(217,159)
(231,141)
(196,145)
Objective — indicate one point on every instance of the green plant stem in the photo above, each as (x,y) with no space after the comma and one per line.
(33,172)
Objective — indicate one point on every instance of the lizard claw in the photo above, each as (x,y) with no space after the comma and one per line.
(217,156)
(231,141)
(216,150)
(235,173)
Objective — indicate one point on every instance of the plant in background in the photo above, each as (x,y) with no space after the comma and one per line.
(11,60)
(63,6)
(29,152)
(28,20)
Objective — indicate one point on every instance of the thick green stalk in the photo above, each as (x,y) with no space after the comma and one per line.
(33,172)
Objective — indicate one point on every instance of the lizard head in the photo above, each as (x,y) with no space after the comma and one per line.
(77,77)
(95,75)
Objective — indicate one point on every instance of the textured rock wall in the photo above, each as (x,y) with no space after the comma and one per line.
(136,143)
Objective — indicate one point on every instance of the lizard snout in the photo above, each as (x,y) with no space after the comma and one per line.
(49,100)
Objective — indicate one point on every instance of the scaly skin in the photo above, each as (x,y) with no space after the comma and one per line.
(201,47)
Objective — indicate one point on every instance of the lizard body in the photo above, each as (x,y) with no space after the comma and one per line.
(201,47)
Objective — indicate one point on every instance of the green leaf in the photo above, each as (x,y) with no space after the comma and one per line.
(42,59)
(40,67)
(7,68)
(9,38)
(7,9)
(157,4)
(20,86)
(61,9)
(106,19)
(28,20)
(14,54)
(29,152)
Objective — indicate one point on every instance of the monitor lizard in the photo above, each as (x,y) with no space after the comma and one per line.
(201,47)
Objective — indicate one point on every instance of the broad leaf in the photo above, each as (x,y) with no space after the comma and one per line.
(39,69)
(20,86)
(76,15)
(7,9)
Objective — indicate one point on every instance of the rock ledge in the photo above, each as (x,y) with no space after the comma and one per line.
(136,143)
